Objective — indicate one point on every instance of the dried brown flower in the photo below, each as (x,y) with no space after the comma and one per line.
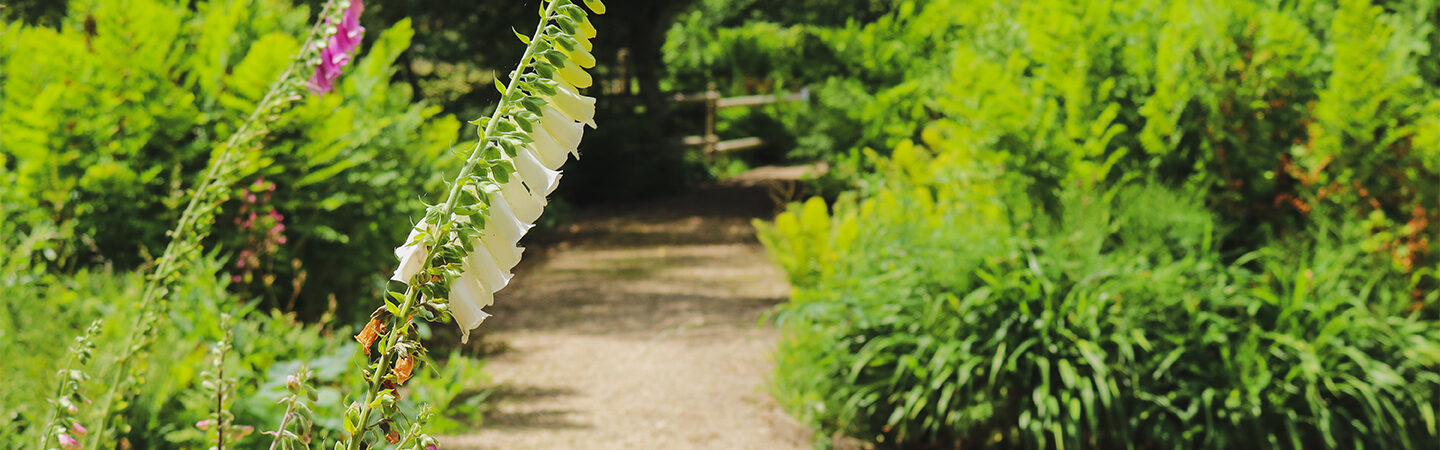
(403,368)
(368,335)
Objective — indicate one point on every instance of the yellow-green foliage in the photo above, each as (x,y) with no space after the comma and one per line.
(1276,110)
(107,117)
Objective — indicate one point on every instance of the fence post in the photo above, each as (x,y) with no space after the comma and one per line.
(712,98)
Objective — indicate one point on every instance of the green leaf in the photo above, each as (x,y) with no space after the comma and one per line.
(523,38)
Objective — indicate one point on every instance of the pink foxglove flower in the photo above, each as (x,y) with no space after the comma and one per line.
(338,50)
(78,430)
(68,443)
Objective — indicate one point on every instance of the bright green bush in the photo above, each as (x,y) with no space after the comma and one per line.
(931,315)
(108,116)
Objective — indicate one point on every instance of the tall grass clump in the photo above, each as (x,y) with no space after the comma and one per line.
(926,316)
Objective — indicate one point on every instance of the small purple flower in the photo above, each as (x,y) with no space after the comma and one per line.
(338,49)
(78,430)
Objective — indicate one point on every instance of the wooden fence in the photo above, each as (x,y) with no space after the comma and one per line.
(709,142)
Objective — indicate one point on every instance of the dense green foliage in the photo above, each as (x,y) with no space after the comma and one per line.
(1131,224)
(146,91)
(930,318)
(267,348)
(107,116)
(1268,108)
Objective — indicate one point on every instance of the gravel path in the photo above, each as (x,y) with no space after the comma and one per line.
(640,328)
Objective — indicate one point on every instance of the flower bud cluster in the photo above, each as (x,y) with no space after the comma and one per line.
(299,420)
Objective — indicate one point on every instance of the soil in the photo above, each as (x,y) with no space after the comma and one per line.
(641,326)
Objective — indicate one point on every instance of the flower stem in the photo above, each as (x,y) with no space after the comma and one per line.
(59,392)
(284,422)
(412,294)
(183,237)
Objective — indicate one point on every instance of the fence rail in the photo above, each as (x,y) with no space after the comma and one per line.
(711,143)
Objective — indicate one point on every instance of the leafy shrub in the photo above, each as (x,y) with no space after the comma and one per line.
(920,319)
(1274,110)
(108,114)
(105,118)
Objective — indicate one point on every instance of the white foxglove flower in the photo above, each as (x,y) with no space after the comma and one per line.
(572,105)
(584,42)
(536,175)
(503,251)
(581,56)
(574,75)
(412,256)
(565,131)
(586,28)
(550,153)
(480,263)
(503,219)
(526,204)
(514,205)
(468,297)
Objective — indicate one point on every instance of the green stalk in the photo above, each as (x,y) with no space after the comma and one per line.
(284,422)
(55,411)
(392,336)
(181,236)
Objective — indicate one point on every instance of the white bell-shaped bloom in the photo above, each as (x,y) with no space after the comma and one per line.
(480,263)
(524,204)
(549,152)
(586,28)
(503,251)
(412,256)
(585,42)
(574,75)
(467,298)
(536,175)
(580,55)
(572,105)
(505,220)
(565,131)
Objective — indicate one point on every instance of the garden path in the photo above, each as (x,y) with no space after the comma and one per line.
(638,327)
